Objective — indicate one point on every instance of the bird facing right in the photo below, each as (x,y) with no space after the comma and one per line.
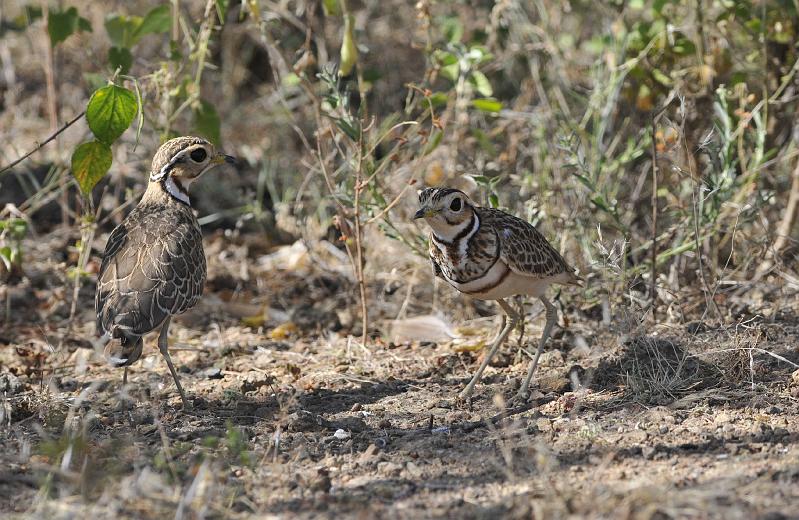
(491,255)
(154,264)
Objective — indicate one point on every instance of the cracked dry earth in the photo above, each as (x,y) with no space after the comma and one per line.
(287,424)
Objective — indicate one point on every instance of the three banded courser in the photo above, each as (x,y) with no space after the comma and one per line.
(491,255)
(154,264)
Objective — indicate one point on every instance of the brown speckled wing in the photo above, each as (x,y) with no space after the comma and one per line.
(153,268)
(522,247)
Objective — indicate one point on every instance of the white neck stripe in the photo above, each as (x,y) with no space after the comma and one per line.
(173,189)
(475,227)
(462,246)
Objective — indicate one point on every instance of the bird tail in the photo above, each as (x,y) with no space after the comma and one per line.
(123,349)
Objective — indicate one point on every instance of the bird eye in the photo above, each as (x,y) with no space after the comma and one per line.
(455,205)
(198,155)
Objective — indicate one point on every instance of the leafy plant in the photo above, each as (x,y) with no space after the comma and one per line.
(62,24)
(125,31)
(12,232)
(110,112)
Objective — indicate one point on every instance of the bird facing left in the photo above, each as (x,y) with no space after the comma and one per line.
(153,267)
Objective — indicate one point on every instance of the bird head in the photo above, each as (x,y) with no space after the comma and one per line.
(444,209)
(446,204)
(181,161)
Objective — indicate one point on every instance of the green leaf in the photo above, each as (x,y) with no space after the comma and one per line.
(348,129)
(661,77)
(6,255)
(451,72)
(61,25)
(207,122)
(585,181)
(755,25)
(90,162)
(158,20)
(478,54)
(450,68)
(452,29)
(17,228)
(121,28)
(439,99)
(600,202)
(120,57)
(445,58)
(487,105)
(331,7)
(481,83)
(433,143)
(174,51)
(657,5)
(110,112)
(26,17)
(493,200)
(221,9)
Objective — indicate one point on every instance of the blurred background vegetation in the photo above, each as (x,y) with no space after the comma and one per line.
(339,110)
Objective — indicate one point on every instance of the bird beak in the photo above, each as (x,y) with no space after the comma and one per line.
(423,213)
(221,158)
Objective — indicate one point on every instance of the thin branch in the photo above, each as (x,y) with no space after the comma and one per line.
(43,143)
(654,252)
(784,228)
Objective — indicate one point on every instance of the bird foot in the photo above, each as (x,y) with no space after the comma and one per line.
(123,405)
(464,400)
(520,399)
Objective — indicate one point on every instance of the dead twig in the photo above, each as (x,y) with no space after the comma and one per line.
(784,228)
(654,248)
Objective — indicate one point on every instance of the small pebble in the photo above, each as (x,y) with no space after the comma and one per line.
(341,434)
(213,373)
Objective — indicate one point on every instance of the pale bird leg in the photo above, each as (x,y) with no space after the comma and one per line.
(123,404)
(551,315)
(509,326)
(163,347)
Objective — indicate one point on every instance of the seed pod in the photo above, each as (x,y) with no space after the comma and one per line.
(349,51)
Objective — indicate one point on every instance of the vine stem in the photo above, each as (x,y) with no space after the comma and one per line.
(41,145)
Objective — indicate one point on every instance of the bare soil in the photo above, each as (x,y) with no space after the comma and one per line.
(292,417)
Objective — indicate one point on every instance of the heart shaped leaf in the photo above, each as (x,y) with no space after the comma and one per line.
(90,162)
(110,112)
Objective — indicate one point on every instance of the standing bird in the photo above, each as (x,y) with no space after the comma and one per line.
(154,264)
(491,255)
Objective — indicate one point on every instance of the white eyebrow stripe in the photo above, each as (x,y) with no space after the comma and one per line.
(168,166)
